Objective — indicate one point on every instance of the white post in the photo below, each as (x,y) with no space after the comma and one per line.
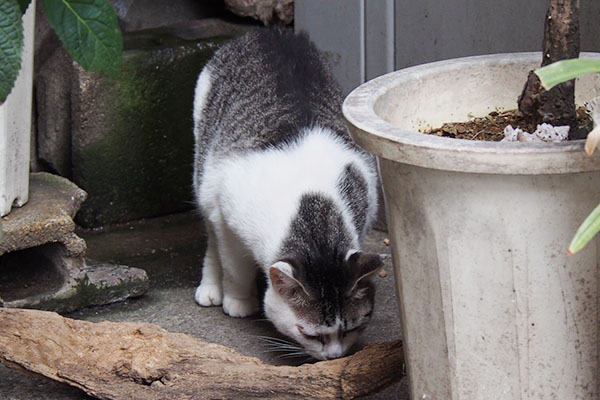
(15,127)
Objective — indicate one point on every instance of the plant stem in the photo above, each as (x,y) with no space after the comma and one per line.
(561,41)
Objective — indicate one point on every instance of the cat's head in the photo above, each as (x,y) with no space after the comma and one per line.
(323,311)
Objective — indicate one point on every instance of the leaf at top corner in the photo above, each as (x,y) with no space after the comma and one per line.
(11,45)
(89,30)
(23,4)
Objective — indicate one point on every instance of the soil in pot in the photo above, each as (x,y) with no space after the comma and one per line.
(491,127)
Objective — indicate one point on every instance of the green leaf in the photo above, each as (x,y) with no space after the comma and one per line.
(565,70)
(23,4)
(90,31)
(11,45)
(587,230)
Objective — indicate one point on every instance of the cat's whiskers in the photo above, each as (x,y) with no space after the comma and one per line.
(274,339)
(294,355)
(278,345)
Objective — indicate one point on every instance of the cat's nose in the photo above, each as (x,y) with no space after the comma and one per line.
(333,356)
(334,351)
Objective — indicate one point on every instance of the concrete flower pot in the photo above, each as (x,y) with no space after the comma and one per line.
(492,307)
(15,127)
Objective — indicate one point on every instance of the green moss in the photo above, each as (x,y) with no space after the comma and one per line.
(85,293)
(134,156)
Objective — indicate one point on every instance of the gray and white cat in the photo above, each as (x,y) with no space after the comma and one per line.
(281,187)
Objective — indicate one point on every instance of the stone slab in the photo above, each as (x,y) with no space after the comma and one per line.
(47,217)
(109,283)
(269,12)
(132,139)
(45,278)
(42,262)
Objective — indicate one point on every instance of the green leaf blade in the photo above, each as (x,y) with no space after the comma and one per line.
(587,230)
(11,45)
(90,32)
(565,70)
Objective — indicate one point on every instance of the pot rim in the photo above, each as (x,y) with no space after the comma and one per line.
(385,140)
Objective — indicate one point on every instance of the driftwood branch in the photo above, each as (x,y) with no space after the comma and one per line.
(111,360)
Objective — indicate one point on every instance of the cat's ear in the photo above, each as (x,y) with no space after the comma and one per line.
(281,275)
(362,266)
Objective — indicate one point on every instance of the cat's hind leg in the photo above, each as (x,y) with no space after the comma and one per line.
(210,291)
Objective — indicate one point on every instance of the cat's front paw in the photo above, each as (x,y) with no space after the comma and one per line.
(240,308)
(209,294)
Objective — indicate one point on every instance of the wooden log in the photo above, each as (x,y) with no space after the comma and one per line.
(110,360)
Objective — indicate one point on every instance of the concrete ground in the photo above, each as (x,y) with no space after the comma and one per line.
(170,249)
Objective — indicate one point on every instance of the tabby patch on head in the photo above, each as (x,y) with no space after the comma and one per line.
(324,285)
(325,319)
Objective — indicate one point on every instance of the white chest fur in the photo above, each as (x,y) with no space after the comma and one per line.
(257,195)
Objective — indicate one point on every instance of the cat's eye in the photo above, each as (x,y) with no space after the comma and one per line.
(346,333)
(349,331)
(306,335)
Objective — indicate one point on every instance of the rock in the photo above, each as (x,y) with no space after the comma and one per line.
(140,14)
(53,103)
(543,133)
(105,283)
(47,217)
(132,140)
(42,262)
(267,11)
(45,39)
(54,76)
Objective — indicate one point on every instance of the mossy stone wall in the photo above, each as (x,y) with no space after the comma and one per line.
(132,139)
